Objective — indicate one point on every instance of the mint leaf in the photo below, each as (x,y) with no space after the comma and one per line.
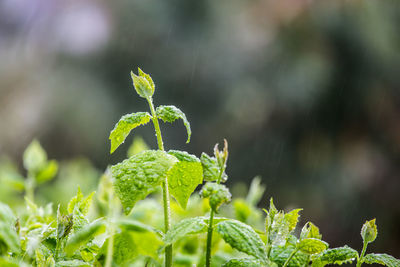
(185,227)
(310,231)
(35,157)
(8,233)
(243,238)
(280,254)
(217,193)
(383,259)
(139,176)
(369,231)
(312,246)
(126,124)
(292,218)
(211,168)
(74,263)
(172,113)
(143,84)
(242,263)
(184,176)
(338,255)
(48,172)
(84,235)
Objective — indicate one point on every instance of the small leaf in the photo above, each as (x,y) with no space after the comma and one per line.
(383,259)
(74,263)
(243,238)
(339,255)
(217,193)
(256,191)
(211,168)
(369,231)
(64,224)
(242,263)
(184,176)
(125,125)
(172,113)
(292,218)
(310,231)
(35,157)
(84,235)
(143,84)
(135,226)
(48,172)
(80,203)
(140,175)
(185,227)
(8,233)
(312,246)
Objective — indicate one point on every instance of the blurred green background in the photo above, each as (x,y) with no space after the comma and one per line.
(306,92)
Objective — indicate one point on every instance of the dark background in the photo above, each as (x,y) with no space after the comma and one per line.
(306,92)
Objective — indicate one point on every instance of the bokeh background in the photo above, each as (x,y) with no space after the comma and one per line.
(306,92)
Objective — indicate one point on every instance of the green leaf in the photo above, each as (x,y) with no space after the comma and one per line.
(256,191)
(124,248)
(217,193)
(143,84)
(310,231)
(383,259)
(369,231)
(184,176)
(339,255)
(84,235)
(48,172)
(312,246)
(172,113)
(242,209)
(242,263)
(280,254)
(243,238)
(135,226)
(80,203)
(74,263)
(185,227)
(35,157)
(125,125)
(292,218)
(211,168)
(64,224)
(8,233)
(140,175)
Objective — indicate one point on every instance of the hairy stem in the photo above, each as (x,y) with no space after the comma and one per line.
(164,185)
(290,257)
(364,249)
(211,228)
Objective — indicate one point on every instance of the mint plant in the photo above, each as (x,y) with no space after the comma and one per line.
(141,174)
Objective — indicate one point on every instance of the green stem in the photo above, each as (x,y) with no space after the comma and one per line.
(290,257)
(113,210)
(30,188)
(211,228)
(361,259)
(164,185)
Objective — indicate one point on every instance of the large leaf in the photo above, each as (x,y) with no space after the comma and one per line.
(140,175)
(338,255)
(172,113)
(125,125)
(185,227)
(383,259)
(84,235)
(243,238)
(242,263)
(312,246)
(8,233)
(184,176)
(281,254)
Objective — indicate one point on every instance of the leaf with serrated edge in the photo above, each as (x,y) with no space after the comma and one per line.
(210,167)
(140,175)
(125,125)
(172,113)
(185,227)
(312,246)
(184,176)
(382,258)
(292,218)
(242,263)
(280,254)
(339,255)
(243,238)
(8,234)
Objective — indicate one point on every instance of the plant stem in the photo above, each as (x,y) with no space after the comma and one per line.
(290,257)
(211,228)
(30,188)
(113,214)
(364,249)
(164,185)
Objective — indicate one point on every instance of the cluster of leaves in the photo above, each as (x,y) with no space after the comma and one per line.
(119,225)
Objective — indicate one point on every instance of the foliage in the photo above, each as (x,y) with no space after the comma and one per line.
(92,231)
